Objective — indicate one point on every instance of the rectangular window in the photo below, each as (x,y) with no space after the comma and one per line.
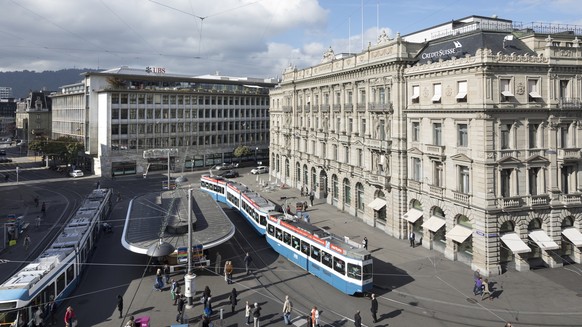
(505,86)
(437,134)
(438,174)
(362,96)
(533,136)
(350,96)
(363,127)
(567,181)
(381,96)
(564,136)
(564,91)
(415,131)
(360,157)
(463,179)
(338,97)
(505,182)
(382,130)
(338,122)
(346,154)
(463,135)
(533,180)
(436,88)
(350,124)
(505,132)
(334,152)
(533,90)
(415,93)
(462,91)
(416,169)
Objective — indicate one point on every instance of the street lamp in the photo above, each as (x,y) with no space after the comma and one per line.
(189,277)
(256,158)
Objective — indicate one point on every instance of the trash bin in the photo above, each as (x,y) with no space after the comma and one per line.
(142,321)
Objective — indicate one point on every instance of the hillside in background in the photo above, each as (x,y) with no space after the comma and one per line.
(22,82)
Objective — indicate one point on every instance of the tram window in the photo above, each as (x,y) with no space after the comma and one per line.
(287,238)
(60,283)
(315,253)
(368,271)
(70,274)
(354,271)
(279,234)
(271,230)
(305,247)
(339,265)
(296,243)
(326,259)
(263,220)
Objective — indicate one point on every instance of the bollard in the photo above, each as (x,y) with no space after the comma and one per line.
(221,312)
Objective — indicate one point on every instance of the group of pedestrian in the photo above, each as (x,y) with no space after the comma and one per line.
(481,286)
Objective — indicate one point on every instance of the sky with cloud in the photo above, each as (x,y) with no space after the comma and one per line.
(255,38)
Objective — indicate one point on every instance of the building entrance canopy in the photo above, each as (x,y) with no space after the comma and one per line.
(543,240)
(573,235)
(377,204)
(413,215)
(434,223)
(514,243)
(459,233)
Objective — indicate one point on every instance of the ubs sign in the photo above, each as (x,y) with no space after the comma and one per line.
(442,52)
(155,70)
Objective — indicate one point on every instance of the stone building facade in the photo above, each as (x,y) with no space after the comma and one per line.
(470,139)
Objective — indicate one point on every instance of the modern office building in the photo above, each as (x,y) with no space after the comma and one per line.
(132,120)
(33,117)
(7,117)
(5,92)
(467,134)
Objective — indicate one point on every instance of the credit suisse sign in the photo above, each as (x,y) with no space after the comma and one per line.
(443,52)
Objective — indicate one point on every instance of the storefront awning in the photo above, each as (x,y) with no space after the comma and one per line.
(434,223)
(459,233)
(514,243)
(377,204)
(543,240)
(412,215)
(573,235)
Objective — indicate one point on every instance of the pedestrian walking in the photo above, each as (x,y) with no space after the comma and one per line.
(26,242)
(50,310)
(130,322)
(38,314)
(217,263)
(287,308)
(174,290)
(311,197)
(256,315)
(228,269)
(120,305)
(180,316)
(248,313)
(167,273)
(486,290)
(374,308)
(365,243)
(314,317)
(38,222)
(205,295)
(70,318)
(479,286)
(248,259)
(476,276)
(357,319)
(205,321)
(233,299)
(43,208)
(411,238)
(508,324)
(159,279)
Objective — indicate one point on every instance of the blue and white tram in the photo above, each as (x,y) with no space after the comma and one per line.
(251,205)
(55,273)
(345,267)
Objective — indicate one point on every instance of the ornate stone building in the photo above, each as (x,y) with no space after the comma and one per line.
(467,133)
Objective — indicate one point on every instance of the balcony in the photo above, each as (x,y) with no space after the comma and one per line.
(538,200)
(325,108)
(287,109)
(570,103)
(436,191)
(385,108)
(434,150)
(378,144)
(361,107)
(378,180)
(573,198)
(509,153)
(535,152)
(306,107)
(414,185)
(509,202)
(337,108)
(462,197)
(315,108)
(569,154)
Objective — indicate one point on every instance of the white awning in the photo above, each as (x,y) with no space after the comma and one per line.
(514,243)
(573,235)
(377,204)
(507,93)
(461,95)
(415,96)
(543,240)
(459,233)
(436,98)
(434,223)
(412,215)
(534,95)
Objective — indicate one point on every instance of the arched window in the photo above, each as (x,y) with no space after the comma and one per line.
(334,187)
(305,175)
(360,196)
(567,222)
(298,173)
(464,221)
(507,227)
(534,224)
(278,168)
(416,204)
(347,192)
(438,212)
(287,168)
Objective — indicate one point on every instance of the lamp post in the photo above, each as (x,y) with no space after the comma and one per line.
(189,277)
(256,158)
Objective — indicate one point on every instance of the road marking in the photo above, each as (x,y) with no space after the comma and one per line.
(299,322)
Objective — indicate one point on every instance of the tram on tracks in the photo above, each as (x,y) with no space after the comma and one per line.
(56,272)
(344,265)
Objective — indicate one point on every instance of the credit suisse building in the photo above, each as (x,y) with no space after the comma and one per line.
(130,120)
(468,134)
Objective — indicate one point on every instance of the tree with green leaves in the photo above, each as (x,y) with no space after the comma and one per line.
(242,151)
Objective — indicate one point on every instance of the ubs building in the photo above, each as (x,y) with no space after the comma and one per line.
(134,121)
(466,133)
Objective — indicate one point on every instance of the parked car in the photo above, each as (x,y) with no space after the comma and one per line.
(226,166)
(2,152)
(229,174)
(5,160)
(76,173)
(260,170)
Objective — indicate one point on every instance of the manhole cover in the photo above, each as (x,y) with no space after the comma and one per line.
(470,300)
